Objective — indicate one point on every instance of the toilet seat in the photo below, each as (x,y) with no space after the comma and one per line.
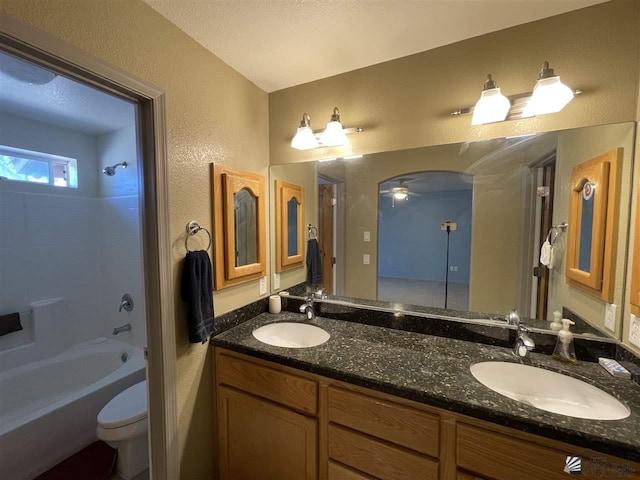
(127,409)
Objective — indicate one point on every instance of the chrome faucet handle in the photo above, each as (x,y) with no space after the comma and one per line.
(126,302)
(524,343)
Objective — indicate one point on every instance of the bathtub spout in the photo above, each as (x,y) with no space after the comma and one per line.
(123,328)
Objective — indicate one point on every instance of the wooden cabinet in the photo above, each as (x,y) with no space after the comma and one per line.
(277,422)
(259,440)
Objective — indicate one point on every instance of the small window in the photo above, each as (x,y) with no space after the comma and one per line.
(37,167)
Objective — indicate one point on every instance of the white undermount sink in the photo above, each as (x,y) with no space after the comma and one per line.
(291,335)
(549,391)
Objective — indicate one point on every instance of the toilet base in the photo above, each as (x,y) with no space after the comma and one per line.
(133,457)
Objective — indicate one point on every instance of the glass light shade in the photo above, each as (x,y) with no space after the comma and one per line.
(400,195)
(492,107)
(304,139)
(550,95)
(334,135)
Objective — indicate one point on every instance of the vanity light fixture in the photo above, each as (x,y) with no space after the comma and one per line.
(333,136)
(304,138)
(352,157)
(492,106)
(550,95)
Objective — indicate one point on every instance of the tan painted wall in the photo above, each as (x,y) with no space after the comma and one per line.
(210,107)
(304,175)
(405,103)
(575,147)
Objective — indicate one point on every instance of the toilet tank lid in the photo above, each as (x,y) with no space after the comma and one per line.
(127,407)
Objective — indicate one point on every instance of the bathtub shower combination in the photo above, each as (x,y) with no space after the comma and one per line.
(48,407)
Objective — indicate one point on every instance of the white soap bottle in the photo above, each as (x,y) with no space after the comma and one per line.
(565,350)
(556,324)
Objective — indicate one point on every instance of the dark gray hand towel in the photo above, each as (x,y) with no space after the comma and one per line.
(314,263)
(197,293)
(10,323)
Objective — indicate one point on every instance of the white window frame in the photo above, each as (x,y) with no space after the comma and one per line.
(52,160)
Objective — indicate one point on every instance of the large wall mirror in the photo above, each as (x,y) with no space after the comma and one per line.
(239,226)
(463,224)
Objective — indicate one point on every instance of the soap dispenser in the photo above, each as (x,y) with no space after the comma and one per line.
(556,323)
(565,350)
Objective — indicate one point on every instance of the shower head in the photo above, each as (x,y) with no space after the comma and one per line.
(111,171)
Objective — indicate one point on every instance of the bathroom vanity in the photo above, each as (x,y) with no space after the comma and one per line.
(377,403)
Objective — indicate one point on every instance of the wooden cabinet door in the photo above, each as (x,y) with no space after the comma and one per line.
(259,440)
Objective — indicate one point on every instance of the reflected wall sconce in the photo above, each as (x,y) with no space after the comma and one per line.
(334,135)
(549,95)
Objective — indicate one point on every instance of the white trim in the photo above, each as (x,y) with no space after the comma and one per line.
(45,49)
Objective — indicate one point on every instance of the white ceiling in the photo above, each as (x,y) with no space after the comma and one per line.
(281,43)
(63,102)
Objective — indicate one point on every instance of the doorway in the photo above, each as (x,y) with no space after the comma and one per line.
(424,239)
(45,51)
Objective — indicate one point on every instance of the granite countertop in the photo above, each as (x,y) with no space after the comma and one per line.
(435,371)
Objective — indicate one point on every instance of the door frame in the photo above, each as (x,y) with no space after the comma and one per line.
(42,48)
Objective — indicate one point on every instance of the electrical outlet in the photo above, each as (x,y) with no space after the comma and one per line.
(451,268)
(276,281)
(366,259)
(610,316)
(634,331)
(455,268)
(367,236)
(263,286)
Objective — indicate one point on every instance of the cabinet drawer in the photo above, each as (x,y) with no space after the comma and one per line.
(290,390)
(378,458)
(503,457)
(389,421)
(338,472)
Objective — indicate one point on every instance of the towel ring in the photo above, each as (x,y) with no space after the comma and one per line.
(192,228)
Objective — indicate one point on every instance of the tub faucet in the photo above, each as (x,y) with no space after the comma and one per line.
(524,344)
(122,328)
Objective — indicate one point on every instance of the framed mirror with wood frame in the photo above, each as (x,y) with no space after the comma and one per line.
(593,224)
(239,204)
(289,226)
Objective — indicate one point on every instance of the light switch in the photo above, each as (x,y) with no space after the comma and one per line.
(263,286)
(634,331)
(276,281)
(610,316)
(367,236)
(366,259)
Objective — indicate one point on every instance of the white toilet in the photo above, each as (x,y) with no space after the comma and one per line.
(122,423)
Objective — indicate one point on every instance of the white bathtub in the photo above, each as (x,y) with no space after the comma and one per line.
(48,408)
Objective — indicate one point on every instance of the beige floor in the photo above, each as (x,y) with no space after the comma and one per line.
(423,292)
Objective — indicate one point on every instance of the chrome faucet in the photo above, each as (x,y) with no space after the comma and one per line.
(524,344)
(307,307)
(126,302)
(122,328)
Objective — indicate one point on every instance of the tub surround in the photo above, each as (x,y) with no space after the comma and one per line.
(435,371)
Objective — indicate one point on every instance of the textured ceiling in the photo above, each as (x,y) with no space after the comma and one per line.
(62,102)
(282,43)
